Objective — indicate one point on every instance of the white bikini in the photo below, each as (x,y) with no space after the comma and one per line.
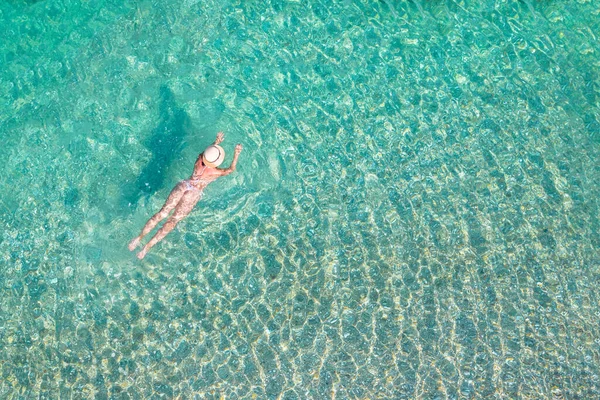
(193,183)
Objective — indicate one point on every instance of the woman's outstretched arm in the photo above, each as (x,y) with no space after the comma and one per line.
(219,138)
(236,154)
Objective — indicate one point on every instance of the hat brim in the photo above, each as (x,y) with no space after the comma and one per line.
(218,161)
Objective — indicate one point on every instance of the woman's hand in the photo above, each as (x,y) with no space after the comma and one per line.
(220,137)
(238,149)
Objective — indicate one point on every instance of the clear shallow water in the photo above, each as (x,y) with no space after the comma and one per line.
(415,212)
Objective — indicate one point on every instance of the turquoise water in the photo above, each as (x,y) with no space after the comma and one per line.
(414,215)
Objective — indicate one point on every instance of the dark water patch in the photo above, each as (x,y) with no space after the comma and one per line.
(546,238)
(165,144)
(592,126)
(550,189)
(476,237)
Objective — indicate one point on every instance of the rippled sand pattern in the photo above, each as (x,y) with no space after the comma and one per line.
(415,213)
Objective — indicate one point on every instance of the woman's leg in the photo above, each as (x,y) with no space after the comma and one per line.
(171,202)
(187,203)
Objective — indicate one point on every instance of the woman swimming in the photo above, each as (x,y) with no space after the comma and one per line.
(187,193)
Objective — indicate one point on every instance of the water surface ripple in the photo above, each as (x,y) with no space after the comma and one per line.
(415,213)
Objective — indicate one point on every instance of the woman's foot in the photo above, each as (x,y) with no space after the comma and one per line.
(142,254)
(134,243)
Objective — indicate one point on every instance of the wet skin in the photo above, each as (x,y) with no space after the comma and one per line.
(183,198)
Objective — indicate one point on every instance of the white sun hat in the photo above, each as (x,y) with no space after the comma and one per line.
(213,156)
